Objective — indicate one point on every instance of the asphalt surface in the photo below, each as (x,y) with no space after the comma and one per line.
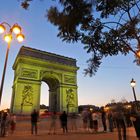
(23,132)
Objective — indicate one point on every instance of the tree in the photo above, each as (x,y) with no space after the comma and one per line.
(105,28)
(123,100)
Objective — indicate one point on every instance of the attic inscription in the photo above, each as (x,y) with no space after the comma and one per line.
(29,73)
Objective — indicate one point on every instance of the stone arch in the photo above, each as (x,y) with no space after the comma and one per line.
(53,82)
(33,66)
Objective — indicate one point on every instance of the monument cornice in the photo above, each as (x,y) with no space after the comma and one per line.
(39,63)
(43,55)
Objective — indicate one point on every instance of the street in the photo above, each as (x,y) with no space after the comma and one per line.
(23,132)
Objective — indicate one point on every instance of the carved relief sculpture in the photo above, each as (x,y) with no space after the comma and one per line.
(27,96)
(70,97)
(69,79)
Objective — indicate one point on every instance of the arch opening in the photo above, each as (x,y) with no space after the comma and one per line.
(53,89)
(44,96)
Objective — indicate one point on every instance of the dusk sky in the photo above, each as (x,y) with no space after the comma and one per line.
(112,80)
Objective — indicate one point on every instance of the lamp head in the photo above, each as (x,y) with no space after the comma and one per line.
(8,38)
(2,29)
(133,83)
(20,37)
(16,29)
(138,53)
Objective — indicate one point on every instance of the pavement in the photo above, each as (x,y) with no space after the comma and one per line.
(69,136)
(23,132)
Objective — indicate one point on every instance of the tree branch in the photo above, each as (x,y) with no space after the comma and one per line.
(113,22)
(137,5)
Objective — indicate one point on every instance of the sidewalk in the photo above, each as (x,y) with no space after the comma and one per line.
(23,132)
(80,135)
(69,136)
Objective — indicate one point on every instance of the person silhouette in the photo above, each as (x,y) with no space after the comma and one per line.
(63,119)
(34,120)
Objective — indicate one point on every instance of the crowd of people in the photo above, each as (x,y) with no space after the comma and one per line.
(91,120)
(111,119)
(7,122)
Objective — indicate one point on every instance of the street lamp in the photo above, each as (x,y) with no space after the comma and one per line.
(138,53)
(16,29)
(133,84)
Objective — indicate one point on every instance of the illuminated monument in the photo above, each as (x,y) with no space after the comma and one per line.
(31,67)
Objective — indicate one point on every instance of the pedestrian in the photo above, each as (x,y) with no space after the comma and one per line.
(110,120)
(85,116)
(0,121)
(63,120)
(13,123)
(135,118)
(3,123)
(73,121)
(53,123)
(95,121)
(120,123)
(34,120)
(7,124)
(103,116)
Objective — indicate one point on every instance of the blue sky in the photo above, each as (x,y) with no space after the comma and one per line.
(112,81)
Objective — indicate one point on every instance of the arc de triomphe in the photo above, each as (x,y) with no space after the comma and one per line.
(33,66)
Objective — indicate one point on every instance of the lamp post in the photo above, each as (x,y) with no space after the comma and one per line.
(16,29)
(133,84)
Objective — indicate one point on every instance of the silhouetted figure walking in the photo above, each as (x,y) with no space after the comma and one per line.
(73,121)
(95,118)
(90,122)
(3,124)
(135,118)
(119,117)
(110,121)
(34,120)
(103,115)
(53,123)
(63,119)
(85,117)
(13,123)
